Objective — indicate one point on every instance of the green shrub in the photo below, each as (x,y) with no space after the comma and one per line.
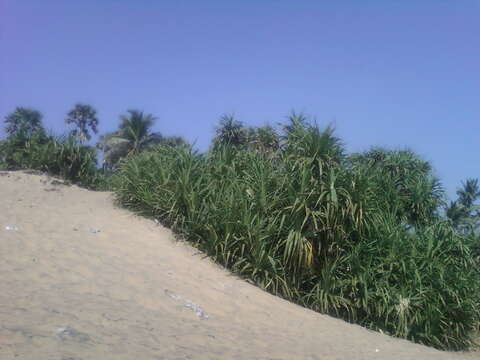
(422,286)
(311,227)
(61,156)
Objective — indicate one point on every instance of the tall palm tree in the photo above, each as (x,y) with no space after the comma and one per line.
(135,127)
(24,121)
(83,117)
(134,134)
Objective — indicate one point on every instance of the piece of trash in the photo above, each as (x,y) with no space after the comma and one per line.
(188,304)
(197,309)
(377,350)
(94,231)
(11,228)
(66,333)
(156,221)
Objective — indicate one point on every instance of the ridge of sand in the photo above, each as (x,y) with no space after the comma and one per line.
(68,292)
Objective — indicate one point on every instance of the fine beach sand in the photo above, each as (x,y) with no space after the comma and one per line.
(130,291)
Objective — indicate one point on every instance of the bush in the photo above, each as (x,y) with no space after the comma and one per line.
(311,227)
(61,156)
(422,286)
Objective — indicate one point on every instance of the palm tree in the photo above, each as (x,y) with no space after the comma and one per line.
(136,129)
(83,117)
(134,135)
(463,212)
(230,131)
(24,121)
(469,193)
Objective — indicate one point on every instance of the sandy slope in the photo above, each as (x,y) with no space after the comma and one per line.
(67,293)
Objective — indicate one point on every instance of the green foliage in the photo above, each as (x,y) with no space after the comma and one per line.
(174,141)
(134,135)
(408,187)
(358,237)
(263,138)
(61,156)
(305,140)
(230,131)
(24,121)
(463,212)
(422,286)
(83,117)
(469,193)
(354,237)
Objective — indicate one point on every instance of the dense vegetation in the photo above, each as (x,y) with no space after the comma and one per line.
(359,236)
(28,146)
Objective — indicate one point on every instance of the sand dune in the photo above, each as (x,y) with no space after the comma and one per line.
(83,279)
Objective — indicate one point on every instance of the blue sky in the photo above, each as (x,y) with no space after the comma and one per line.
(388,73)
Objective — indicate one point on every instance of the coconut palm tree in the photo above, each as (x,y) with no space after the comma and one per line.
(463,212)
(134,134)
(469,193)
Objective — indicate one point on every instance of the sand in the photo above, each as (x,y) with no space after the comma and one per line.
(84,279)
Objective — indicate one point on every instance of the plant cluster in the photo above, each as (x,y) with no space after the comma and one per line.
(359,237)
(57,155)
(28,146)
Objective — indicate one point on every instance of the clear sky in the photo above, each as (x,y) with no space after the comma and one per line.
(390,73)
